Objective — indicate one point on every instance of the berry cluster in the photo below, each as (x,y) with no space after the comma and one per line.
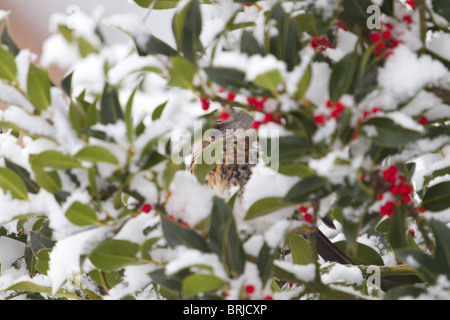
(321,44)
(250,289)
(336,110)
(399,188)
(307,217)
(384,40)
(183,223)
(254,103)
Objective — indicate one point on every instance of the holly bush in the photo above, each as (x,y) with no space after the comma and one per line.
(94,204)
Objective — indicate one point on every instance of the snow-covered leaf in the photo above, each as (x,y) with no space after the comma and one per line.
(266,206)
(437,197)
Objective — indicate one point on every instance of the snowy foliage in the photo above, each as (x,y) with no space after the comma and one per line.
(93,206)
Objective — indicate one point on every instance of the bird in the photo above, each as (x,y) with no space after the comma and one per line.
(232,172)
(240,153)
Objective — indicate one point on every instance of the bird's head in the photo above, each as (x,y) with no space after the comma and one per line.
(238,119)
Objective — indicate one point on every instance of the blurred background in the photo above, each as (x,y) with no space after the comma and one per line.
(29,22)
(29,19)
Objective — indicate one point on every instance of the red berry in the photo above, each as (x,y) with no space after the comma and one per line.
(251,101)
(185,224)
(171,217)
(394,43)
(411,3)
(407,19)
(256,125)
(341,26)
(339,107)
(421,210)
(405,189)
(379,48)
(412,232)
(335,113)
(390,172)
(423,120)
(406,199)
(147,208)
(308,217)
(375,37)
(224,116)
(388,54)
(329,104)
(268,298)
(355,134)
(319,119)
(303,209)
(268,117)
(389,26)
(231,96)
(394,190)
(314,42)
(387,34)
(205,103)
(259,105)
(376,110)
(387,209)
(249,289)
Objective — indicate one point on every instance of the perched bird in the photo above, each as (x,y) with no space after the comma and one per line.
(240,154)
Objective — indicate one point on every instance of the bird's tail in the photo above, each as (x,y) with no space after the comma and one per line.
(329,251)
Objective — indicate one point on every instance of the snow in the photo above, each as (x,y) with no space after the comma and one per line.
(339,273)
(185,257)
(88,75)
(23,60)
(438,43)
(305,273)
(258,65)
(65,256)
(11,251)
(13,96)
(33,124)
(4,14)
(276,185)
(404,74)
(317,91)
(136,278)
(12,151)
(130,65)
(82,25)
(189,201)
(57,51)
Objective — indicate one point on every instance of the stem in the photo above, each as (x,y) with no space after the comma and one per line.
(391,270)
